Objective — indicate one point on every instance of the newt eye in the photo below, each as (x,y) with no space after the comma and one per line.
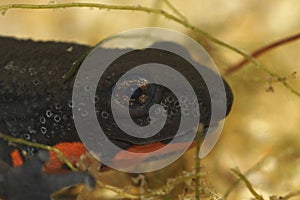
(134,92)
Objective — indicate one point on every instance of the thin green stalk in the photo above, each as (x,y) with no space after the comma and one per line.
(60,155)
(248,184)
(197,162)
(167,15)
(174,9)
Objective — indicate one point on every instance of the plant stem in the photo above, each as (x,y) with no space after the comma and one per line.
(60,155)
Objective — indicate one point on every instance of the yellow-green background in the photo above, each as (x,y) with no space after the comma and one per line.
(260,124)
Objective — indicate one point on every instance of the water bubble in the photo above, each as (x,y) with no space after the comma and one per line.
(174,111)
(83,112)
(157,111)
(71,103)
(163,102)
(36,82)
(51,72)
(170,99)
(42,68)
(30,149)
(31,69)
(43,130)
(16,68)
(43,120)
(33,73)
(176,104)
(182,99)
(49,113)
(57,118)
(140,122)
(148,120)
(9,66)
(57,106)
(184,106)
(23,70)
(104,115)
(185,112)
(95,99)
(26,136)
(87,88)
(195,113)
(32,132)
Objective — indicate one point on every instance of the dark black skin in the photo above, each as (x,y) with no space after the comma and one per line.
(35,102)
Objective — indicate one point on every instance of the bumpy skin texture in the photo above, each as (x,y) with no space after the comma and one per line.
(36,103)
(31,88)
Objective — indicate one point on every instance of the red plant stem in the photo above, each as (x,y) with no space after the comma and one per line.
(262,51)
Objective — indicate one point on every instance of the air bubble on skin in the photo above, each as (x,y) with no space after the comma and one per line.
(26,136)
(32,132)
(163,102)
(36,82)
(195,113)
(51,72)
(176,104)
(42,68)
(83,112)
(104,115)
(140,122)
(57,106)
(23,70)
(185,112)
(43,130)
(164,113)
(8,66)
(95,99)
(174,111)
(33,73)
(31,69)
(148,120)
(55,125)
(43,120)
(30,150)
(30,153)
(194,106)
(157,111)
(184,106)
(166,108)
(16,68)
(182,99)
(49,113)
(87,88)
(57,118)
(71,103)
(170,99)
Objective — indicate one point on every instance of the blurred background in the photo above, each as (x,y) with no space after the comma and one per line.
(261,133)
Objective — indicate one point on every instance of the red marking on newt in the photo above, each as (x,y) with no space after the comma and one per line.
(124,158)
(16,158)
(71,150)
(74,150)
